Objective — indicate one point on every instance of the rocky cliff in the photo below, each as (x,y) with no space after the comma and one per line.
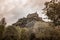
(29,21)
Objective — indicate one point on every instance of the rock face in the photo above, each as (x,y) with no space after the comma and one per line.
(29,21)
(32,20)
(30,24)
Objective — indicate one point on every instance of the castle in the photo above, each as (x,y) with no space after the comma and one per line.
(32,15)
(29,21)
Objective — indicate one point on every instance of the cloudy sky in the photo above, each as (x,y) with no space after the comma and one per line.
(12,10)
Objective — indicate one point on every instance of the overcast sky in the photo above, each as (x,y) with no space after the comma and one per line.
(12,10)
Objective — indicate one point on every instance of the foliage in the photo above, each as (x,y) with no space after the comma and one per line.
(10,33)
(3,22)
(2,27)
(42,33)
(24,33)
(1,31)
(52,10)
(48,33)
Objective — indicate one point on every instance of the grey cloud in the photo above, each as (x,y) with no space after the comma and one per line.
(12,10)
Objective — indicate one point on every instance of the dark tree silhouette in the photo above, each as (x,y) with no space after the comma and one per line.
(10,33)
(52,10)
(2,27)
(3,22)
(32,36)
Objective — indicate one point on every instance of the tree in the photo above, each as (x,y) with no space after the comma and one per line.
(1,31)
(3,22)
(10,33)
(52,10)
(2,27)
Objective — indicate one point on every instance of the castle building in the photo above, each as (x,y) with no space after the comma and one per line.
(32,15)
